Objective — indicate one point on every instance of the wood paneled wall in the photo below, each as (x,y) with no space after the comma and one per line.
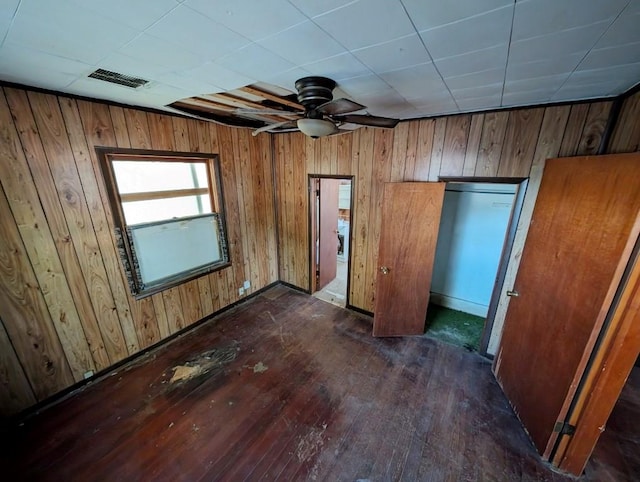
(626,134)
(496,144)
(65,308)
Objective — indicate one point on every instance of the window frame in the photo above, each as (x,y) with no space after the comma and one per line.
(124,243)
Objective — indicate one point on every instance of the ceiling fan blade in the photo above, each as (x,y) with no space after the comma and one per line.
(339,106)
(368,120)
(270,127)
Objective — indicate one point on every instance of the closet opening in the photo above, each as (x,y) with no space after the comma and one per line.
(475,239)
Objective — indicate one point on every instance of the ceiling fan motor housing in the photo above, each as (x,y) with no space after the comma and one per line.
(314,91)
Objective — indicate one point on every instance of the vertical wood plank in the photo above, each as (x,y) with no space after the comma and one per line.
(437,148)
(147,329)
(493,131)
(412,151)
(360,246)
(473,145)
(108,334)
(25,202)
(425,147)
(382,166)
(398,155)
(15,391)
(455,145)
(626,134)
(594,127)
(95,120)
(520,142)
(24,312)
(573,132)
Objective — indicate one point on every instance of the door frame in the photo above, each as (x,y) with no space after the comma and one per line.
(311,217)
(521,184)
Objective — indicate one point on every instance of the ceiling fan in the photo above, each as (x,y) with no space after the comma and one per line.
(322,116)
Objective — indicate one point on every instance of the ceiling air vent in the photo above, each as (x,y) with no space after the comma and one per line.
(116,78)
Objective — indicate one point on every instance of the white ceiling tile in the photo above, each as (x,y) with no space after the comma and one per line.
(287,79)
(397,54)
(629,73)
(137,14)
(576,40)
(428,14)
(160,52)
(7,12)
(527,98)
(479,103)
(534,18)
(623,31)
(216,74)
(585,91)
(67,30)
(541,68)
(363,85)
(483,91)
(619,55)
(313,8)
(475,61)
(124,64)
(253,19)
(21,65)
(255,61)
(475,33)
(303,43)
(385,100)
(196,33)
(415,81)
(343,66)
(188,82)
(550,83)
(437,107)
(485,77)
(366,23)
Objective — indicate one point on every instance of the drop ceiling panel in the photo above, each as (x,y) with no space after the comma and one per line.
(340,67)
(160,52)
(137,14)
(534,18)
(25,64)
(475,33)
(542,68)
(313,8)
(303,43)
(252,19)
(65,30)
(254,60)
(474,79)
(218,75)
(396,54)
(619,55)
(624,30)
(428,14)
(197,33)
(474,61)
(355,27)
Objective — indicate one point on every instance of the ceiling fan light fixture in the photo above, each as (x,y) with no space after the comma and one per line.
(315,128)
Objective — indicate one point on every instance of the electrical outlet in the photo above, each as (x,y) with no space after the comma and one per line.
(247,285)
(88,374)
(241,291)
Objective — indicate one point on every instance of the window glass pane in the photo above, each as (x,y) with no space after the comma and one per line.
(136,212)
(147,176)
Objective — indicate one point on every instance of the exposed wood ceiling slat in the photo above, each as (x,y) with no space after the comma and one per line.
(269,96)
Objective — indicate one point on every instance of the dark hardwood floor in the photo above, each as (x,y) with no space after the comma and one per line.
(287,387)
(616,457)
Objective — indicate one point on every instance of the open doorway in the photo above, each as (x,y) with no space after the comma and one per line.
(330,227)
(476,233)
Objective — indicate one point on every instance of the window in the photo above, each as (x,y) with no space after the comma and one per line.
(168,215)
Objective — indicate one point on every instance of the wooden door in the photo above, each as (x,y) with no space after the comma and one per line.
(408,237)
(328,231)
(582,232)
